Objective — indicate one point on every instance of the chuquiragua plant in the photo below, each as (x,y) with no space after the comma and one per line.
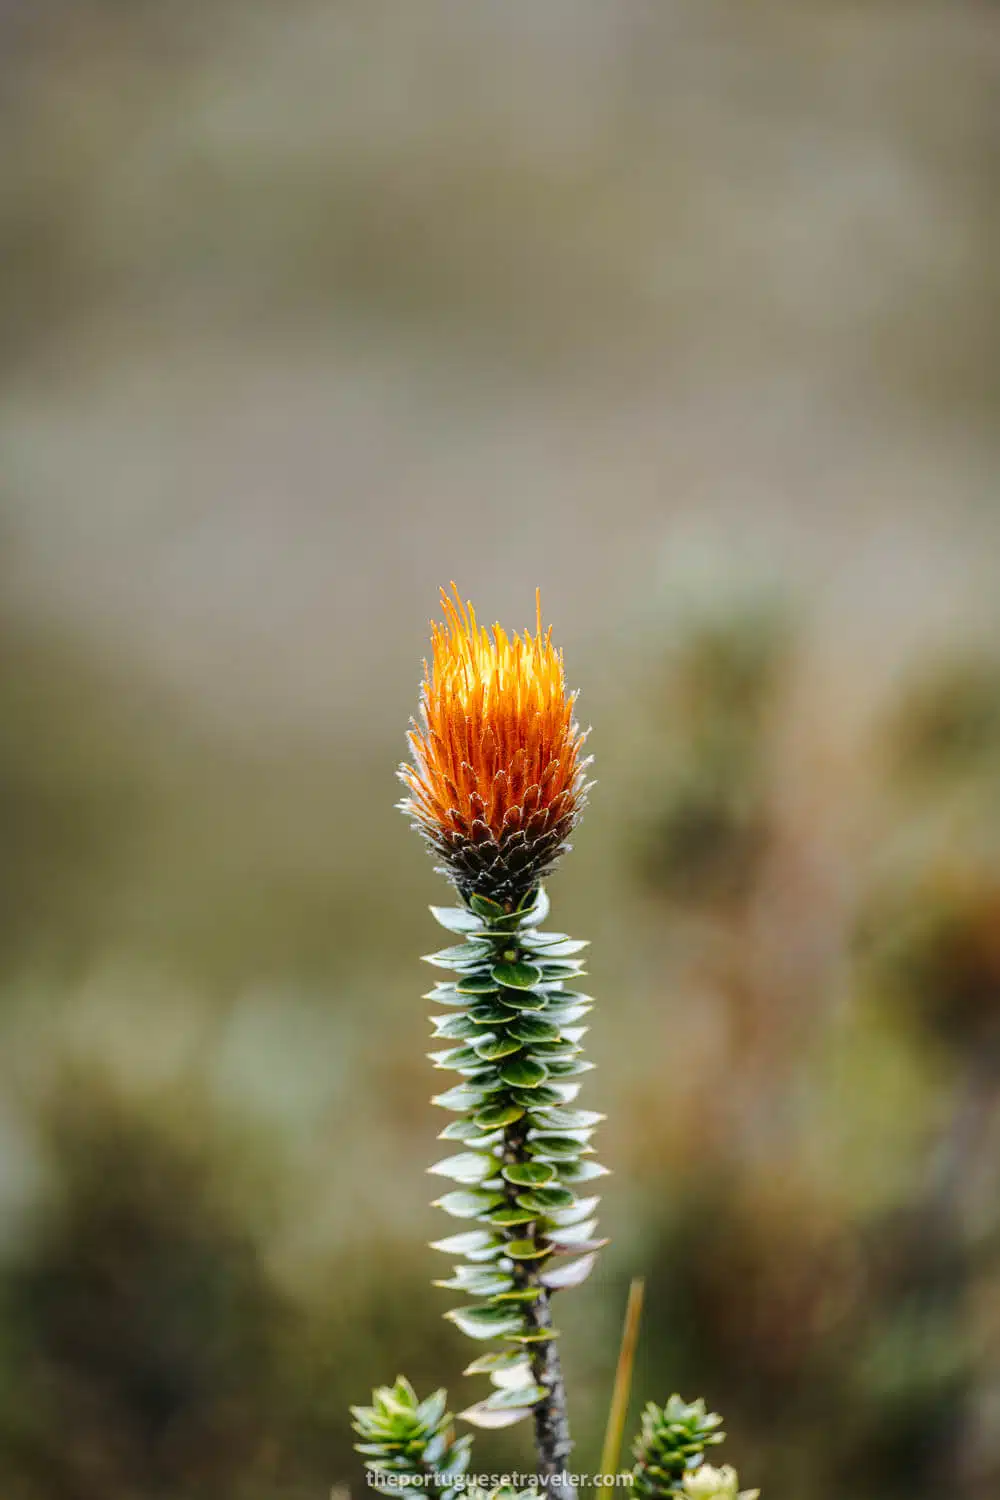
(496,784)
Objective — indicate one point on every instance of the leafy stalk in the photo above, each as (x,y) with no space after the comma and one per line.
(496,787)
(526,1152)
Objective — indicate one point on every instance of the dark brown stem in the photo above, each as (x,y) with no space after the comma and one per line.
(552,1440)
(553,1444)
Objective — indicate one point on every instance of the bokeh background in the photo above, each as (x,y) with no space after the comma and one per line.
(688,313)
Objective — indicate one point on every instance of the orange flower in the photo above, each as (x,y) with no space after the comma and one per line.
(497,781)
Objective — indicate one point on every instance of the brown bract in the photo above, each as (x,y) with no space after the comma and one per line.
(497,781)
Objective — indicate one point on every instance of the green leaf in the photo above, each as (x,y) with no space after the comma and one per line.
(507,927)
(457,1059)
(460,956)
(467,1166)
(467,1130)
(580,1209)
(533,1336)
(457,1028)
(477,984)
(485,1077)
(511,1216)
(489,1012)
(516,976)
(535,914)
(546,945)
(526,1250)
(523,1072)
(477,1281)
(550,1062)
(517,1374)
(468,1205)
(534,1098)
(480,1415)
(544,1199)
(529,1173)
(520,1395)
(538,1142)
(569,1273)
(557,1147)
(494,1115)
(433,1409)
(571,1119)
(567,1091)
(459,1098)
(484,907)
(574,1235)
(456,918)
(492,1048)
(456,1461)
(483,1257)
(497,1359)
(446,994)
(554,969)
(581,1171)
(534,1029)
(568,1067)
(563,1016)
(485,1320)
(469,1243)
(524,1000)
(558,1049)
(404,1392)
(519,1294)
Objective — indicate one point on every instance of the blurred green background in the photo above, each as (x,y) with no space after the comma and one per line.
(687,313)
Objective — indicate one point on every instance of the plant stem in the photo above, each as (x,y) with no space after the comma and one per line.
(553,1444)
(552,1440)
(611,1452)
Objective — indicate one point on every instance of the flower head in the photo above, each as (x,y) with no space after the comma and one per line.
(497,780)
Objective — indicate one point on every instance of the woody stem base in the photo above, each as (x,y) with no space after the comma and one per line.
(553,1443)
(552,1440)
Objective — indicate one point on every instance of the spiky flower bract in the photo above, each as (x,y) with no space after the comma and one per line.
(498,778)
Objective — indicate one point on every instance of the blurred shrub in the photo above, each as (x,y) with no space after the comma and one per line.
(706,824)
(779,1290)
(758,1292)
(934,944)
(948,720)
(143,1334)
(151,1342)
